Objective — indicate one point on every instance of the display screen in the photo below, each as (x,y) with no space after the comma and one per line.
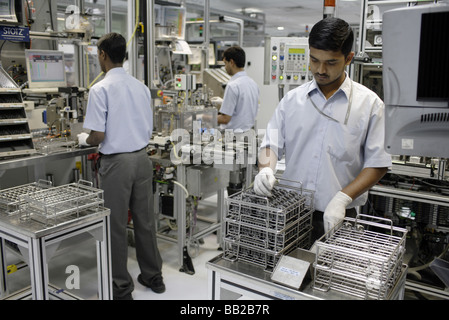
(296,51)
(7,11)
(45,68)
(433,80)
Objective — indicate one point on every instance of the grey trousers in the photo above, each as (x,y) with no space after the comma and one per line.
(126,179)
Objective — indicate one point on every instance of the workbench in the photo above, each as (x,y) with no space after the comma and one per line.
(235,279)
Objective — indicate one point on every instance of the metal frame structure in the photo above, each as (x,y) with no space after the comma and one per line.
(39,243)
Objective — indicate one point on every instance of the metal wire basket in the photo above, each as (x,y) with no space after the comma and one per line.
(10,199)
(49,145)
(361,258)
(48,205)
(260,229)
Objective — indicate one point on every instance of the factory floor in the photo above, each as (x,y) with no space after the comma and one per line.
(179,285)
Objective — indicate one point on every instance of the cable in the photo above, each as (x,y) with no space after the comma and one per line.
(184,188)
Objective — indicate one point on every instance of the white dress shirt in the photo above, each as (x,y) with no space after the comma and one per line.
(241,102)
(323,152)
(120,106)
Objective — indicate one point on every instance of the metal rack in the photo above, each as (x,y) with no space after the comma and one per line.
(361,258)
(48,205)
(11,198)
(48,145)
(260,229)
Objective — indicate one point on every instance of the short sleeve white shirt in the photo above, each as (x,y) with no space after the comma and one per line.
(324,154)
(120,106)
(241,102)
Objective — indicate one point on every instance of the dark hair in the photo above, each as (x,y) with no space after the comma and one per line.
(237,54)
(332,34)
(114,45)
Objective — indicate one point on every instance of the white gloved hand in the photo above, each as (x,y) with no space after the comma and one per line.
(216,101)
(264,182)
(82,137)
(335,210)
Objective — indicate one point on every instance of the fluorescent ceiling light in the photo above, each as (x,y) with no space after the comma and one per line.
(249,10)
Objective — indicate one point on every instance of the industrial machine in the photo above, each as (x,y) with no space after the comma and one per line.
(192,161)
(416,95)
(46,75)
(53,108)
(414,194)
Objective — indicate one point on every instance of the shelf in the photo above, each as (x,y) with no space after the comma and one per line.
(15,134)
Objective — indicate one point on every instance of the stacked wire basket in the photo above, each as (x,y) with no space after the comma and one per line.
(259,230)
(360,257)
(51,205)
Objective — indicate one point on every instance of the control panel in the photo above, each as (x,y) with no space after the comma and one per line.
(185,82)
(286,61)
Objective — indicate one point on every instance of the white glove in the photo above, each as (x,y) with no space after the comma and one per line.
(335,210)
(264,182)
(82,137)
(216,101)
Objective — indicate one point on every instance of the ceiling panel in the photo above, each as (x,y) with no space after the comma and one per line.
(294,15)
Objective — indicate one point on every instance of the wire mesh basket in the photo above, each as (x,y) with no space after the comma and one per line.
(10,199)
(361,258)
(260,229)
(47,206)
(49,145)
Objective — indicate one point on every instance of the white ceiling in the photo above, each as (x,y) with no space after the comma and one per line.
(293,15)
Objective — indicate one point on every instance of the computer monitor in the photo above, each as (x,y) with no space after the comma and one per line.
(7,11)
(45,69)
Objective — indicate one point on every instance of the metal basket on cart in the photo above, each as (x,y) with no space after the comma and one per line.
(50,205)
(11,198)
(261,229)
(362,258)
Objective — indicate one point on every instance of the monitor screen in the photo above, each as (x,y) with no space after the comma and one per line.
(45,68)
(7,11)
(433,67)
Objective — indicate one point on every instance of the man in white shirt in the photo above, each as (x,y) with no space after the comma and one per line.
(240,104)
(120,120)
(331,131)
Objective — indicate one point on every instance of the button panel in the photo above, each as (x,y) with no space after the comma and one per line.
(289,60)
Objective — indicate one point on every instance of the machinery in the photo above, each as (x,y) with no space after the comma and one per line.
(414,194)
(43,73)
(192,161)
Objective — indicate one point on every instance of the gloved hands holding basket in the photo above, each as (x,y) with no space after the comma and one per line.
(264,182)
(335,210)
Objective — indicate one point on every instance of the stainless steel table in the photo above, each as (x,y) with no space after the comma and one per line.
(39,242)
(227,280)
(38,160)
